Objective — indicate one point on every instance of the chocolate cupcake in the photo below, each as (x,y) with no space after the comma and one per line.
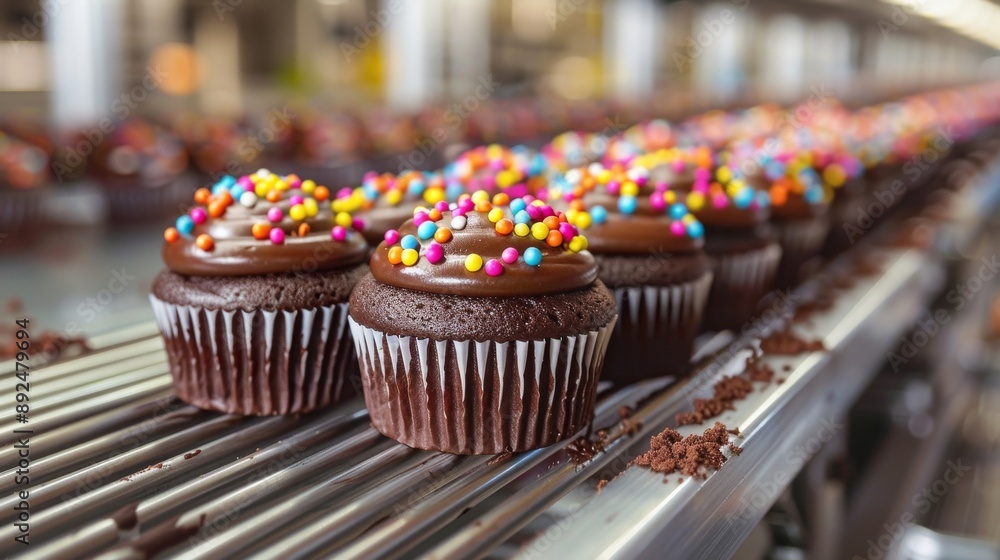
(650,251)
(738,238)
(482,328)
(253,302)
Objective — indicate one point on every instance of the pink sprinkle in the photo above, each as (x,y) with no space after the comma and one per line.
(519,190)
(295,199)
(701,186)
(245,182)
(509,255)
(702,174)
(467,205)
(441,206)
(277,236)
(345,192)
(391,237)
(275,215)
(719,201)
(677,228)
(662,185)
(677,165)
(614,187)
(370,175)
(198,215)
(434,253)
(528,199)
(420,217)
(641,181)
(534,212)
(497,165)
(548,211)
(568,231)
(295,183)
(358,224)
(656,201)
(338,233)
(494,267)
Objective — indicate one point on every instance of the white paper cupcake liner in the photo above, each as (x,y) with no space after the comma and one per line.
(470,397)
(656,328)
(257,362)
(740,281)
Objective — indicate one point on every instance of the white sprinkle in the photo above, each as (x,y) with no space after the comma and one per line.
(458,223)
(248,199)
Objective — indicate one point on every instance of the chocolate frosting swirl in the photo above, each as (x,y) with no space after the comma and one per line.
(645,230)
(560,270)
(236,252)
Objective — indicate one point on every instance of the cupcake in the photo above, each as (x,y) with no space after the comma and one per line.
(482,328)
(253,302)
(650,250)
(738,239)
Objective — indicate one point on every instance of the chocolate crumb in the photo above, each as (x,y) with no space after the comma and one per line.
(736,432)
(625,412)
(780,380)
(500,458)
(758,371)
(602,484)
(194,453)
(583,449)
(693,455)
(724,392)
(786,343)
(786,367)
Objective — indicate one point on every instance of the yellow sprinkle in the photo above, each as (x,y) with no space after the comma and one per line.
(571,215)
(687,219)
(630,189)
(312,208)
(297,212)
(308,186)
(393,197)
(260,189)
(495,215)
(343,219)
(494,151)
(410,257)
(473,262)
(578,243)
(281,185)
(521,230)
(723,174)
(480,196)
(695,201)
(505,178)
(604,176)
(539,231)
(669,197)
(834,175)
(434,195)
(583,220)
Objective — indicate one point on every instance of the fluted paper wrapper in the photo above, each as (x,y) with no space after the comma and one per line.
(800,240)
(257,362)
(656,329)
(740,281)
(468,397)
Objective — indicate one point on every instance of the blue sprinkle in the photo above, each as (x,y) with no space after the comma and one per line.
(453,190)
(763,199)
(228,180)
(814,195)
(743,198)
(678,211)
(426,230)
(185,224)
(532,256)
(774,170)
(236,191)
(522,217)
(517,205)
(695,229)
(627,204)
(409,242)
(598,214)
(416,187)
(371,193)
(219,188)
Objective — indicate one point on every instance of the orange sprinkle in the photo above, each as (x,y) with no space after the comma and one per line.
(501,199)
(554,238)
(261,231)
(171,235)
(216,209)
(442,235)
(483,206)
(434,215)
(205,242)
(321,193)
(551,222)
(576,205)
(202,195)
(779,195)
(304,229)
(225,198)
(273,195)
(505,226)
(396,254)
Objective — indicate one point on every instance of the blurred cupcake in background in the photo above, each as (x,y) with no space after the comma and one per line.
(143,171)
(24,170)
(650,251)
(516,171)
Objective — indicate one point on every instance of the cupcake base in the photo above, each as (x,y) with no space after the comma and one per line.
(740,280)
(259,360)
(801,241)
(472,397)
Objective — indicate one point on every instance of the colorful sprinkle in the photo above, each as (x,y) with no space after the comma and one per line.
(458,223)
(274,215)
(505,227)
(198,215)
(532,256)
(297,212)
(395,255)
(509,255)
(410,257)
(434,253)
(184,225)
(409,242)
(442,235)
(277,236)
(426,230)
(171,234)
(205,242)
(539,231)
(248,199)
(339,233)
(473,262)
(494,267)
(522,230)
(260,231)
